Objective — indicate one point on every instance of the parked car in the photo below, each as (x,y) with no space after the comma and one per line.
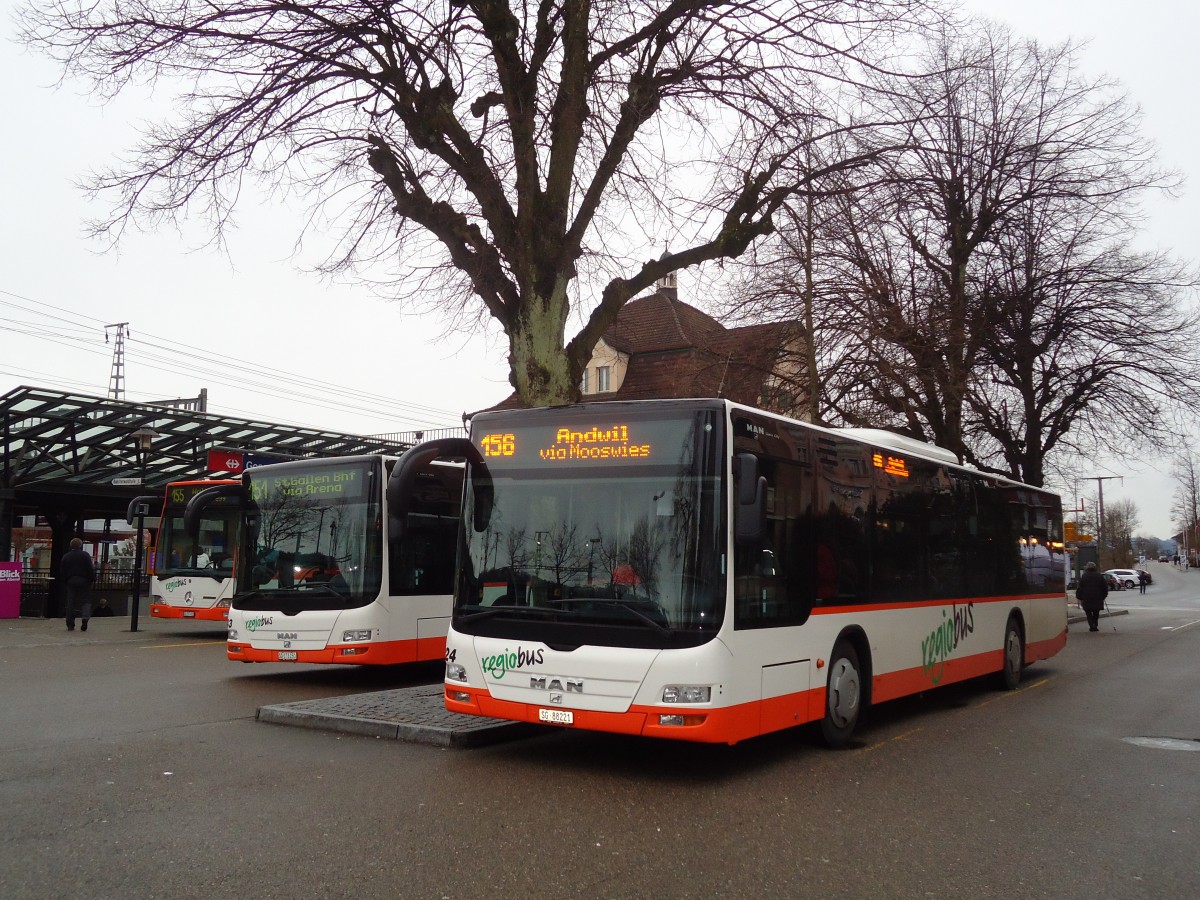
(1127,577)
(1114,583)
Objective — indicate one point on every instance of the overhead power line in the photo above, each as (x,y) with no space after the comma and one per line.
(157,353)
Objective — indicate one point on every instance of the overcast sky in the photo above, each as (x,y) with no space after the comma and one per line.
(201,319)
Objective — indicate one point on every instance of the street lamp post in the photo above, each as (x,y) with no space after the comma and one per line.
(1100,535)
(143,438)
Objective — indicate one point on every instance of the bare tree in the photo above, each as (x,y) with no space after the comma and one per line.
(1147,546)
(1186,502)
(982,294)
(1005,126)
(1120,523)
(1089,346)
(495,153)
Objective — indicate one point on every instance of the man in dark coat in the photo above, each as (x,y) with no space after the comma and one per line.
(78,573)
(1092,591)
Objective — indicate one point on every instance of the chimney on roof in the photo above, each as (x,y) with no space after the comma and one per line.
(667,286)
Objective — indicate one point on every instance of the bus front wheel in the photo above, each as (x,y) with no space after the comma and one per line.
(843,696)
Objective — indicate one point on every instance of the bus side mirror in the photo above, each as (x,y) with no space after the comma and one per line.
(140,507)
(404,475)
(750,506)
(483,495)
(200,501)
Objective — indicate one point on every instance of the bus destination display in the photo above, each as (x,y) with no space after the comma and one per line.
(326,483)
(180,494)
(580,442)
(892,465)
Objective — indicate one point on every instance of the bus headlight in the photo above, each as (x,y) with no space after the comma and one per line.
(356,634)
(687,693)
(233,634)
(456,672)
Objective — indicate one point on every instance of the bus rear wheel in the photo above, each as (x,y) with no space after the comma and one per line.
(1014,656)
(843,696)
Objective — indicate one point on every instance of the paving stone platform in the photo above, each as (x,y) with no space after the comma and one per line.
(416,715)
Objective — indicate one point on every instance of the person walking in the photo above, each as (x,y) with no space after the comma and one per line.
(77,571)
(1091,593)
(1141,582)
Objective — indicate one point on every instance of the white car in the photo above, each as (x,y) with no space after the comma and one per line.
(1127,577)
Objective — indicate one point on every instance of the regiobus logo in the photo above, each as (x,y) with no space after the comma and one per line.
(502,663)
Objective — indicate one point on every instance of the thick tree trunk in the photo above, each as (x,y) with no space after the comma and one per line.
(540,370)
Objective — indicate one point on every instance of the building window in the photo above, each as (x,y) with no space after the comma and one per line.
(583,385)
(601,379)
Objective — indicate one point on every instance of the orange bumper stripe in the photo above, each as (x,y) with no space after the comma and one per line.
(380,653)
(206,614)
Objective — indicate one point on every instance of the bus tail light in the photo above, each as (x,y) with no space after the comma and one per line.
(687,693)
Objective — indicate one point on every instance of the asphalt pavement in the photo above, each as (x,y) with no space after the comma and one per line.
(139,765)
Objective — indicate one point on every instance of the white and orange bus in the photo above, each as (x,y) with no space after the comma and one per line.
(194,578)
(328,576)
(700,570)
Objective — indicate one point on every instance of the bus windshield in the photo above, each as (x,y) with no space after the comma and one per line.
(213,553)
(595,519)
(313,536)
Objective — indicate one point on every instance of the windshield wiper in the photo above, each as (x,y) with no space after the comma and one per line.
(313,585)
(486,613)
(625,605)
(657,626)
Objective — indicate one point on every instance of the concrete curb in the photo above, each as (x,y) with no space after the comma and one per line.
(1075,614)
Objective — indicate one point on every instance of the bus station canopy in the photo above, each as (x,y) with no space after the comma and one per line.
(89,456)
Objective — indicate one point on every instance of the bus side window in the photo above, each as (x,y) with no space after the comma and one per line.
(775,579)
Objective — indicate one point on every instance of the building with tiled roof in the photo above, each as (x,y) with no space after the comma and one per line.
(661,347)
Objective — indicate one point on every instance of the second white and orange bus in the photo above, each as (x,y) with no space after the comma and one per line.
(327,575)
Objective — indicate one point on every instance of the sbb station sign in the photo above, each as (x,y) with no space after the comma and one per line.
(235,461)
